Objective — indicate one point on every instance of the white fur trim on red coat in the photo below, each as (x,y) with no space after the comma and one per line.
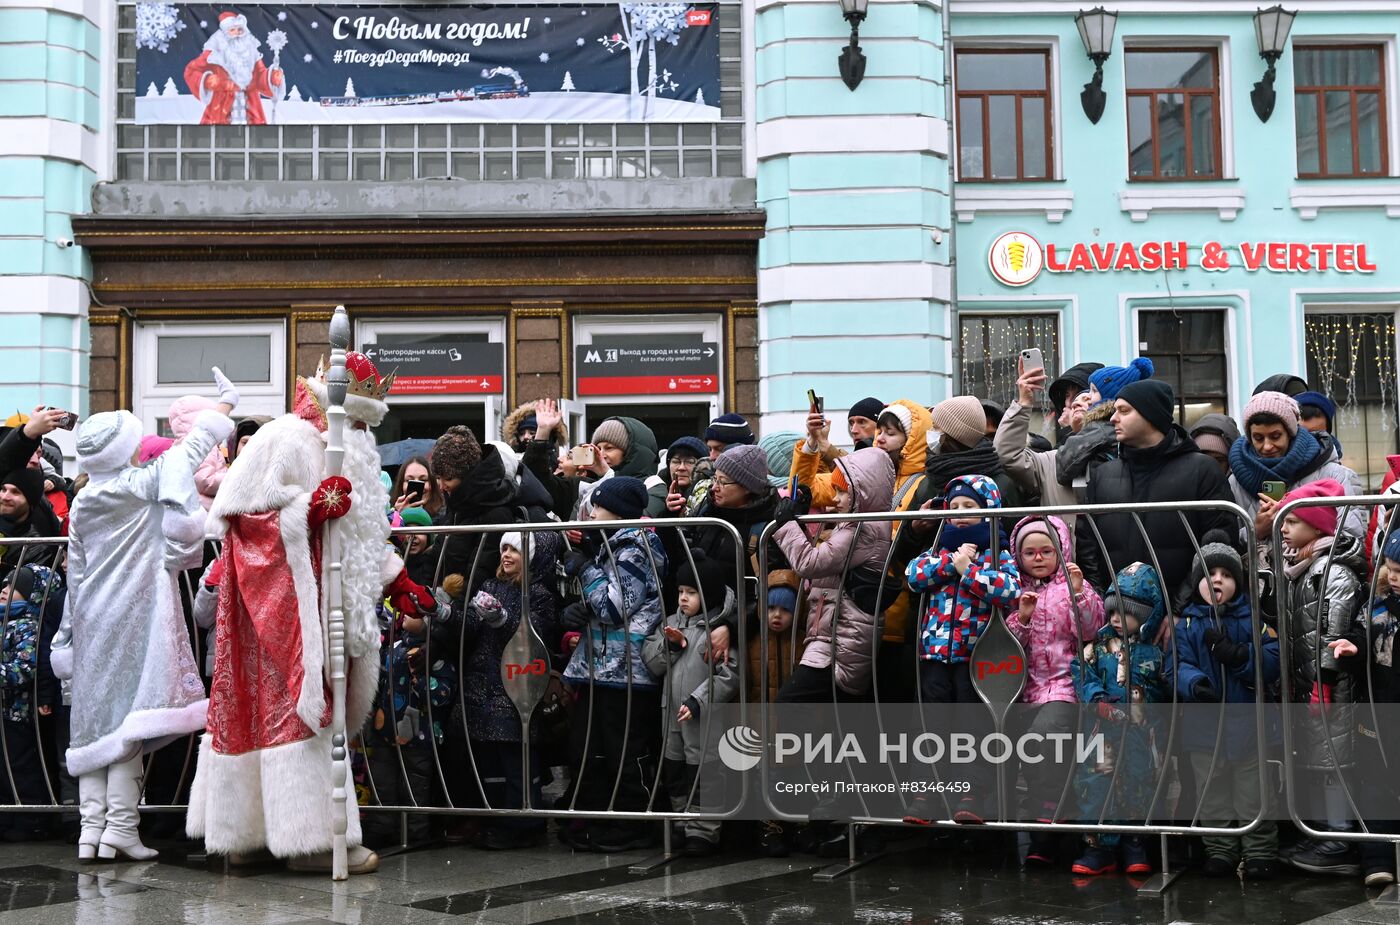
(283,460)
(296,545)
(275,798)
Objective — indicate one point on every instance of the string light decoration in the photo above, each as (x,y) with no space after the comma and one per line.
(1338,348)
(1351,360)
(990,345)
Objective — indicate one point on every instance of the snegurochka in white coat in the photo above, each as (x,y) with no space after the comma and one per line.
(123,641)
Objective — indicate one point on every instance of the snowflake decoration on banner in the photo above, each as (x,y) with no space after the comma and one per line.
(204,24)
(282,17)
(544,57)
(277,40)
(579,42)
(547,20)
(306,58)
(661,22)
(315,24)
(156,25)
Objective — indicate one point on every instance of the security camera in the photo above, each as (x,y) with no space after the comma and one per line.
(64,242)
(937,236)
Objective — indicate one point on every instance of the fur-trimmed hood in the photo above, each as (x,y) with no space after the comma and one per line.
(512,421)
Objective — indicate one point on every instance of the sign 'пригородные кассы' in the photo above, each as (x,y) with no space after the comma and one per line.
(295,64)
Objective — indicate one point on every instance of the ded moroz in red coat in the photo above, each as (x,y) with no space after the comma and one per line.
(203,78)
(264,773)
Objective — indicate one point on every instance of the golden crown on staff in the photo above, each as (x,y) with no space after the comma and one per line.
(333,605)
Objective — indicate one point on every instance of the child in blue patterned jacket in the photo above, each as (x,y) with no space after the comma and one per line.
(21,600)
(969,571)
(1120,672)
(621,605)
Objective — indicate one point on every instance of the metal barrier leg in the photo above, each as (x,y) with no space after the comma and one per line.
(1390,896)
(1158,884)
(666,856)
(828,874)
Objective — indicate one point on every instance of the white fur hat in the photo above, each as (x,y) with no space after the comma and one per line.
(107,441)
(230,20)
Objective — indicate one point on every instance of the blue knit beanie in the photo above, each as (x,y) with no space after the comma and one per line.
(1111,379)
(688,446)
(783,597)
(730,429)
(1391,550)
(1320,402)
(621,495)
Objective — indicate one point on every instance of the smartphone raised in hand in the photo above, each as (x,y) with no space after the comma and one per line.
(1032,359)
(1275,489)
(414,488)
(815,403)
(583,455)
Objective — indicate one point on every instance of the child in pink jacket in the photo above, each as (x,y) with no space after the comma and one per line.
(1057,613)
(183,411)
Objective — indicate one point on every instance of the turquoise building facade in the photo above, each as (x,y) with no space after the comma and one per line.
(1175,234)
(53,64)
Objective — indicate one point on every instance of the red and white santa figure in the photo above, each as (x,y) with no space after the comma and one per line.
(264,773)
(229,76)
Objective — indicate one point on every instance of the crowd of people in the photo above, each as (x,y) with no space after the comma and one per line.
(1123,608)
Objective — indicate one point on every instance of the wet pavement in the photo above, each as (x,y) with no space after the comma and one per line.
(950,878)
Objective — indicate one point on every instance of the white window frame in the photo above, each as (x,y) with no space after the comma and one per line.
(709,327)
(370,329)
(152,400)
(1049,43)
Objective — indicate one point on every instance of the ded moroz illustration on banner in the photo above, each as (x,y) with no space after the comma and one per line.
(296,64)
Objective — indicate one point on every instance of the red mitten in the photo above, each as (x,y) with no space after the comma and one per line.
(215,576)
(410,598)
(1109,712)
(330,500)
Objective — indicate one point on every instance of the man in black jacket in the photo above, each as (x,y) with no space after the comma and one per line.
(1157,462)
(25,512)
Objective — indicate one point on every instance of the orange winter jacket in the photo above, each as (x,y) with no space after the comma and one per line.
(907,479)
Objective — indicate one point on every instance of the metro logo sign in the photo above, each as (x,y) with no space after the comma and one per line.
(697,17)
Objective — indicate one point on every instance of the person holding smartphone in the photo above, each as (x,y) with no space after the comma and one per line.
(1276,455)
(415,485)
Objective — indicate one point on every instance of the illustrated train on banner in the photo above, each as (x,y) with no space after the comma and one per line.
(622,62)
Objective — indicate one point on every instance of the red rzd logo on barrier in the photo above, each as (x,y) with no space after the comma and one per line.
(538,666)
(1012,665)
(697,17)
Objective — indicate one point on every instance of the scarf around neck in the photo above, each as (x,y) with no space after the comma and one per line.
(982,459)
(979,534)
(1252,470)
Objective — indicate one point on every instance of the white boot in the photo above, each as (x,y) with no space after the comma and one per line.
(123,800)
(92,810)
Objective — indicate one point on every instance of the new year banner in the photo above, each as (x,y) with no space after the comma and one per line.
(285,64)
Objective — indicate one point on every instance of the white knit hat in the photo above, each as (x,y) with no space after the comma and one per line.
(901,414)
(513,540)
(107,441)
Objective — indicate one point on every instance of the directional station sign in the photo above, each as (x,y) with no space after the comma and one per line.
(465,368)
(651,368)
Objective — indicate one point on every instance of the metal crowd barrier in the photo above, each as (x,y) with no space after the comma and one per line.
(1298,776)
(1000,690)
(525,686)
(526,672)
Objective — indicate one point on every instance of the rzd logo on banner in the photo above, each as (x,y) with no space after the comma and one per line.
(1016,258)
